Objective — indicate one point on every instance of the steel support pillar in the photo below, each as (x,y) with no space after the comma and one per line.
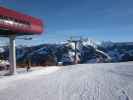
(12,55)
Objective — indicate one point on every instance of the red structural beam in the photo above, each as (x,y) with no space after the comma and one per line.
(13,22)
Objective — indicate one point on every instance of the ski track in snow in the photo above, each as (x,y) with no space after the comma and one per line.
(77,82)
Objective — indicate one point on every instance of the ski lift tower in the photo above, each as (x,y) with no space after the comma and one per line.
(76,40)
(13,24)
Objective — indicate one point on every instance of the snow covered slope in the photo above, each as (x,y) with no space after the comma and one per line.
(77,82)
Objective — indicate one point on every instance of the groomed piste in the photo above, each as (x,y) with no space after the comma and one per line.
(112,81)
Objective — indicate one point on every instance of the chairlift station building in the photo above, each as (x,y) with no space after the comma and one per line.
(13,24)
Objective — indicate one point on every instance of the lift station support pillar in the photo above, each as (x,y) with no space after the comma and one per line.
(12,55)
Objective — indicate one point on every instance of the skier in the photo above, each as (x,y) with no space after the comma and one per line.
(29,65)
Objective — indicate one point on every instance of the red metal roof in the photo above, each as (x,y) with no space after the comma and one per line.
(13,22)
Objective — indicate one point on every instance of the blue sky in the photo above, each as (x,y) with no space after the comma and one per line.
(97,19)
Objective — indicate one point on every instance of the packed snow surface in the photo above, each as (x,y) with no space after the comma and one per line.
(112,81)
